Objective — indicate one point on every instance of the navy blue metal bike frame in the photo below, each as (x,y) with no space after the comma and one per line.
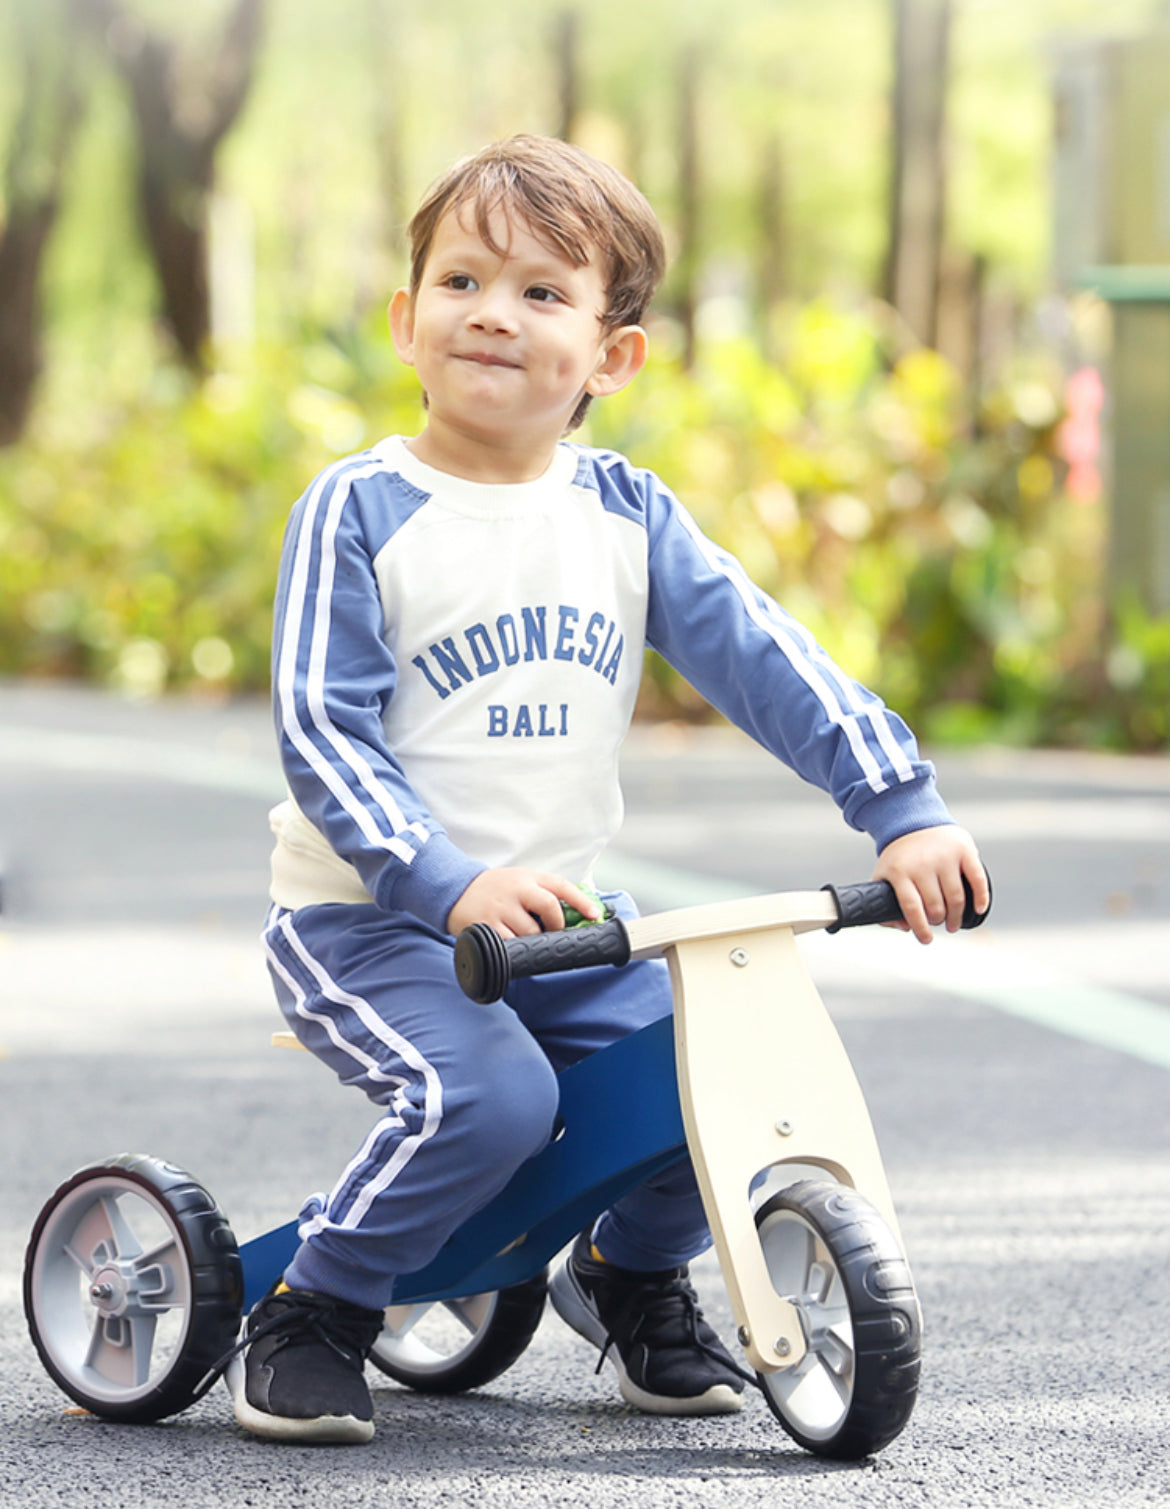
(620,1123)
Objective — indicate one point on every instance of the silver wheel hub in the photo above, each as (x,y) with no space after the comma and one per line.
(109,1290)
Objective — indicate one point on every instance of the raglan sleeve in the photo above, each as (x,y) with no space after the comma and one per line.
(764,671)
(333,675)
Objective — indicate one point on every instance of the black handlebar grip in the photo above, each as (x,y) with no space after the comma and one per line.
(485,963)
(864,905)
(481,965)
(874,901)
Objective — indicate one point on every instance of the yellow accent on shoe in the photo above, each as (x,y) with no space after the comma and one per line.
(282,1288)
(595,1255)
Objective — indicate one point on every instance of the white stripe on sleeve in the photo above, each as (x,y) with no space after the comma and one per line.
(840,700)
(341,480)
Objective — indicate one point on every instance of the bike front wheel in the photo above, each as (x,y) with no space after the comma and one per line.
(833,1257)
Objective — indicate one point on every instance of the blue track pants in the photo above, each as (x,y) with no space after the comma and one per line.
(467,1092)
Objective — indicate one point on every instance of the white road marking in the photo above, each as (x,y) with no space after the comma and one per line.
(1011,976)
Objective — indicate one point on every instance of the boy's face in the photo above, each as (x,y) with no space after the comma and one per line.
(506,345)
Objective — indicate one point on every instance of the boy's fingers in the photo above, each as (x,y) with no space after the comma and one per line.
(980,886)
(518,902)
(544,908)
(956,902)
(953,897)
(518,923)
(572,895)
(548,895)
(913,910)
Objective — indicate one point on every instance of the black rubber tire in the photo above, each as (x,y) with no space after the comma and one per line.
(496,1328)
(152,1236)
(855,1389)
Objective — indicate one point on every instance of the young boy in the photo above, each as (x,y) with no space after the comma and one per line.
(461,620)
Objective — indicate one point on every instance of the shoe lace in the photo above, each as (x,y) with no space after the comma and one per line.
(669,1309)
(345,1329)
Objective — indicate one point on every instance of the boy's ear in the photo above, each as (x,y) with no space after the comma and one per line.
(401,317)
(624,357)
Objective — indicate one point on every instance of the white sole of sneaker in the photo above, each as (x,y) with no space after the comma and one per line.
(325,1430)
(574,1309)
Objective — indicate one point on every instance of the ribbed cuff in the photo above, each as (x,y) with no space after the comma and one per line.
(901,810)
(430,886)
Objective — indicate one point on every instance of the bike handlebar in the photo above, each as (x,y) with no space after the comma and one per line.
(485,964)
(874,901)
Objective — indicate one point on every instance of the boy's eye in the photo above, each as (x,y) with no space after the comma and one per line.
(542,295)
(459,281)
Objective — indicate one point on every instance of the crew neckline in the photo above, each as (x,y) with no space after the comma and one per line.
(477,497)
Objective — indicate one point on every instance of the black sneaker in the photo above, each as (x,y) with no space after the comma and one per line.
(669,1360)
(298,1370)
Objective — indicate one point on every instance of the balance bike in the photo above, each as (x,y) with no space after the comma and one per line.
(134,1286)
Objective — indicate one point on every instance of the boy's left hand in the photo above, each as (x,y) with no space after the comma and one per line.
(926,870)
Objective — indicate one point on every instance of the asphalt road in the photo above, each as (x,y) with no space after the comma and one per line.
(1017,1078)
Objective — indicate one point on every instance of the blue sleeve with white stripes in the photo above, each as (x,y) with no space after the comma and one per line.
(333,676)
(763,670)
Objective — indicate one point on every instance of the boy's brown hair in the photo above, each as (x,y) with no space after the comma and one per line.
(569,199)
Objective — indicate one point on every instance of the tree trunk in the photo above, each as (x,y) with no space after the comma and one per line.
(177,147)
(389,56)
(568,49)
(43,135)
(687,261)
(21,315)
(773,268)
(918,168)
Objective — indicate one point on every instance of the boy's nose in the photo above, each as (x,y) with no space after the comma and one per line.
(492,313)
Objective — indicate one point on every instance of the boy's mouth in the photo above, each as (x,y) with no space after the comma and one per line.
(486,359)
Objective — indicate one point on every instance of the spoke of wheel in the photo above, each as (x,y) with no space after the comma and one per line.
(109,1355)
(168,1254)
(472,1312)
(84,1264)
(92,1233)
(836,1348)
(817,1393)
(128,1244)
(791,1266)
(819,1282)
(831,1386)
(168,1261)
(402,1319)
(142,1329)
(808,1259)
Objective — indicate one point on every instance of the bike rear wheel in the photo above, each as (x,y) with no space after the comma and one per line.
(132,1288)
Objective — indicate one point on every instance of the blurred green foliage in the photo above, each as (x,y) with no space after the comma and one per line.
(922,534)
(929,547)
(340,136)
(927,542)
(140,547)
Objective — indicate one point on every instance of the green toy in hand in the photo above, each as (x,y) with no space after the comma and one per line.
(573,917)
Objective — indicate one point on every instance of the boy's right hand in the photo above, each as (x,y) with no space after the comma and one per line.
(518,901)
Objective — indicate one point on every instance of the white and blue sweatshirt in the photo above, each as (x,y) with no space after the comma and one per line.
(455,666)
